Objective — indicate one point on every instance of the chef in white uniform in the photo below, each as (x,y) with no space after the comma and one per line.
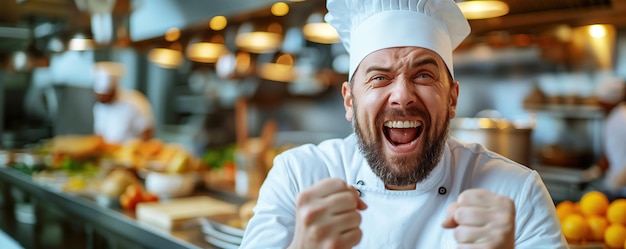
(119,114)
(400,181)
(610,93)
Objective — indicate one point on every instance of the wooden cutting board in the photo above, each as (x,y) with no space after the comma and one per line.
(175,213)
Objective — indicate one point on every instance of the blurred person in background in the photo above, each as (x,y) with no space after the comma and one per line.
(400,181)
(611,93)
(119,114)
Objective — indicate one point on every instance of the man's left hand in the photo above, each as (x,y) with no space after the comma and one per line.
(482,219)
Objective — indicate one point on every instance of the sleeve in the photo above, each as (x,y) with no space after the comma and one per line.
(144,118)
(537,225)
(615,146)
(273,222)
(97,124)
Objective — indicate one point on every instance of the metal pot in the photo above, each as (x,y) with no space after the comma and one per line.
(498,135)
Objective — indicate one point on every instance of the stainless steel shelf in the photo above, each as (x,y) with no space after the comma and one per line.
(116,222)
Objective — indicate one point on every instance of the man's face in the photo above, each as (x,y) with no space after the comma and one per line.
(105,98)
(108,96)
(401,101)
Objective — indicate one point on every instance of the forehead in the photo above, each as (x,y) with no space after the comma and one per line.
(396,56)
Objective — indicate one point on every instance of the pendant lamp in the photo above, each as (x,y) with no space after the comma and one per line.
(483,9)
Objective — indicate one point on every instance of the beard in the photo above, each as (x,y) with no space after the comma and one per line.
(402,170)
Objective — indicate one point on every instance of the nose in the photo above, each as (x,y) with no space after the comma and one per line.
(402,94)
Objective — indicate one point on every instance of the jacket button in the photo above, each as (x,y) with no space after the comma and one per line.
(360,182)
(442,190)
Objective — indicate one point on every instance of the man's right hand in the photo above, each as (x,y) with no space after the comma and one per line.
(327,216)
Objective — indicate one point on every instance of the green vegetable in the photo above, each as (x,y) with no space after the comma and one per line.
(217,158)
(74,166)
(26,169)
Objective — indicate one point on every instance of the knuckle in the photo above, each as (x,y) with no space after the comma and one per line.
(333,244)
(318,233)
(303,198)
(310,214)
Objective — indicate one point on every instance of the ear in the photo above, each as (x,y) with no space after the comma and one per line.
(454,95)
(346,92)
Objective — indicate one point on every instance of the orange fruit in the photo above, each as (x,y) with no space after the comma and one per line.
(597,225)
(565,208)
(594,203)
(574,227)
(616,213)
(615,236)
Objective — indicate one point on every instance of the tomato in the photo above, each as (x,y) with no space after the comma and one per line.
(150,197)
(127,202)
(132,196)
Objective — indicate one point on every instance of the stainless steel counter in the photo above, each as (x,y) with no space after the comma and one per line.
(115,224)
(566,183)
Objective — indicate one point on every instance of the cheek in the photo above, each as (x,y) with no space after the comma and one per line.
(367,109)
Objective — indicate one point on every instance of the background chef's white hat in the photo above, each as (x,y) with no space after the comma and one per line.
(611,90)
(365,26)
(105,74)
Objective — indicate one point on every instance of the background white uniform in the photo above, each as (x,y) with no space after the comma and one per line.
(615,144)
(125,117)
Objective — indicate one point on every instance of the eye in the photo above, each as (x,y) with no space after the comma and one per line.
(379,80)
(424,78)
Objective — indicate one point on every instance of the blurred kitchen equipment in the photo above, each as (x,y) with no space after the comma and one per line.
(170,185)
(250,163)
(499,135)
(250,152)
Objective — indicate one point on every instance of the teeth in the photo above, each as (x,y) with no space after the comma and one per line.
(402,124)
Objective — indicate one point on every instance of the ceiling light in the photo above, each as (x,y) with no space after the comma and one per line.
(279,9)
(597,31)
(218,23)
(208,50)
(172,34)
(482,9)
(81,42)
(281,69)
(168,56)
(259,38)
(165,57)
(316,30)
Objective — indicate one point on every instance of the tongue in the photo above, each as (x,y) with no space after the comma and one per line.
(402,135)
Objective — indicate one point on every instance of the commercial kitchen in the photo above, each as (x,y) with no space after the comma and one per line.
(224,105)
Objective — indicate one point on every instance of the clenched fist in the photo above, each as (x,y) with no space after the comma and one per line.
(327,216)
(482,219)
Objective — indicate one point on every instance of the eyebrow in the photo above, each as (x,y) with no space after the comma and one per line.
(420,62)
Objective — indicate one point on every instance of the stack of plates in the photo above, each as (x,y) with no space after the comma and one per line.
(218,233)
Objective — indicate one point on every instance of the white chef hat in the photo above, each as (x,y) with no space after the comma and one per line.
(611,90)
(365,26)
(105,74)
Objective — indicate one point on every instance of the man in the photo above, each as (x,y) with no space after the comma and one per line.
(610,94)
(400,181)
(119,114)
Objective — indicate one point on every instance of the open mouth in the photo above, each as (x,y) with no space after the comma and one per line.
(402,132)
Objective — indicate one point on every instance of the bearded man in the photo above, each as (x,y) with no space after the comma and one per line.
(400,181)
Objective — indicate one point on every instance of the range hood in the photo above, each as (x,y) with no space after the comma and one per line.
(148,18)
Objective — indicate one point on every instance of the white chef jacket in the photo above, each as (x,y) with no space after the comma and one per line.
(403,219)
(124,118)
(615,144)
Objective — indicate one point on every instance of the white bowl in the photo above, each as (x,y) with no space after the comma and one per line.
(171,185)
